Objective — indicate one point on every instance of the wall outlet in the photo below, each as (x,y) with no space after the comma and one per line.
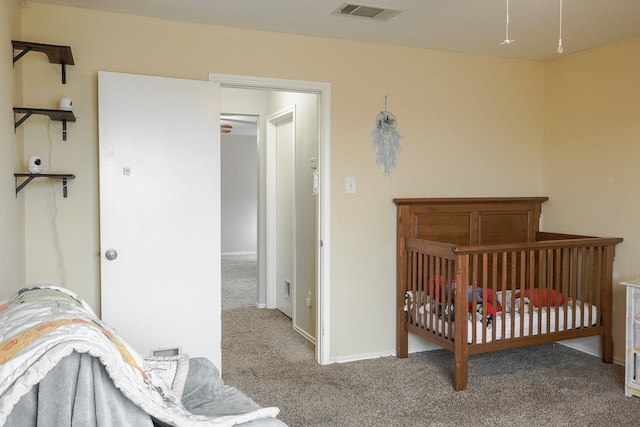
(308,300)
(287,289)
(351,185)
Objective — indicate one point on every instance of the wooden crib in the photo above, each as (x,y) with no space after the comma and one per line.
(480,269)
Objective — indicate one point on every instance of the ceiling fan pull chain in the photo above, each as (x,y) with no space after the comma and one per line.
(506,40)
(560,49)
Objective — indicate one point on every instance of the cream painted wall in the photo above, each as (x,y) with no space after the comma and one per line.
(12,249)
(592,155)
(471,126)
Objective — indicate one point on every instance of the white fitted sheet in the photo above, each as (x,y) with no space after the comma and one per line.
(536,320)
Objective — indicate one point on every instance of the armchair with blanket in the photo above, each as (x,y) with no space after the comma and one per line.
(60,365)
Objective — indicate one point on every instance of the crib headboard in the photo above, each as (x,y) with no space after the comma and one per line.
(470,221)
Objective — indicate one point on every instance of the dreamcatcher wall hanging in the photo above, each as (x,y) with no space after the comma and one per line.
(386,140)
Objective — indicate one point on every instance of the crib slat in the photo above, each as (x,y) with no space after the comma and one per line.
(418,286)
(548,264)
(473,289)
(557,281)
(594,270)
(412,286)
(434,288)
(503,289)
(583,279)
(540,264)
(575,289)
(494,283)
(449,319)
(521,287)
(513,289)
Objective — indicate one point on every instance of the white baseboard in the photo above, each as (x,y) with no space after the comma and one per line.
(415,348)
(295,328)
(430,347)
(576,346)
(356,357)
(305,335)
(239,253)
(376,355)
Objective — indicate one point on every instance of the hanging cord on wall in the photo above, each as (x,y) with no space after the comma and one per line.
(560,49)
(54,217)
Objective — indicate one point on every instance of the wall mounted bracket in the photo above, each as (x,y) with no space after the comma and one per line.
(63,116)
(57,54)
(30,177)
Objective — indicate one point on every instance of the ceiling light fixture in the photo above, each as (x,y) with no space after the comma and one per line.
(507,41)
(560,49)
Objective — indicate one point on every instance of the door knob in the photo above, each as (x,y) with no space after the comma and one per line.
(111,254)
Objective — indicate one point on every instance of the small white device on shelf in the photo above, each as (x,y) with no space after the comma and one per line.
(66,104)
(35,164)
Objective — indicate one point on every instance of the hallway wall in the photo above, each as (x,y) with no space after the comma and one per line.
(239,204)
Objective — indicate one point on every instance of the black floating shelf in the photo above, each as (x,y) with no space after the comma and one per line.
(31,176)
(63,116)
(57,54)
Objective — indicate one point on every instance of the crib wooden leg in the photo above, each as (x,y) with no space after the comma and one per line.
(460,374)
(402,338)
(607,320)
(607,348)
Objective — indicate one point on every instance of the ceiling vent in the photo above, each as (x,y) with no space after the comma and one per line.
(367,12)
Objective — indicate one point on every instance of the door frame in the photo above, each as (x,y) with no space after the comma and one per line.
(323,90)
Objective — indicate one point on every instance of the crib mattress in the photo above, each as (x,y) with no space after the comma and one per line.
(537,320)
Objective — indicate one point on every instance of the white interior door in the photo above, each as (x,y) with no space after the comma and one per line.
(159,156)
(285,217)
(280,203)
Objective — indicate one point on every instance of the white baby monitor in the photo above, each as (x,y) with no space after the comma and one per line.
(66,104)
(35,164)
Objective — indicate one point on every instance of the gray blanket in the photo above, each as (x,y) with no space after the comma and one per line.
(206,394)
(79,392)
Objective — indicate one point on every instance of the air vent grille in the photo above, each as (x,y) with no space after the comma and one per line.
(367,12)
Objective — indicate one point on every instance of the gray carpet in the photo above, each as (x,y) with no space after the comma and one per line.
(239,281)
(550,385)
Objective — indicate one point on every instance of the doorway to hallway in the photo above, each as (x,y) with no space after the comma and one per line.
(310,169)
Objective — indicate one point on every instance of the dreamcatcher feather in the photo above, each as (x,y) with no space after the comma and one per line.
(386,140)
